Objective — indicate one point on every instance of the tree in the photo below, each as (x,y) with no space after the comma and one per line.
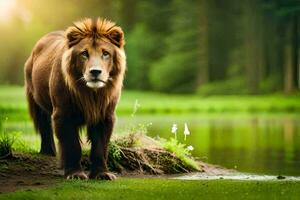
(178,70)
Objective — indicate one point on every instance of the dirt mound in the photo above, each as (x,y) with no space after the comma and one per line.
(149,161)
(126,158)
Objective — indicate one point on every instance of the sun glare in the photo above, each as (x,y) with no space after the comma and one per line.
(6,10)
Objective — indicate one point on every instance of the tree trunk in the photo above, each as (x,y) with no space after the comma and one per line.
(253,46)
(220,36)
(288,75)
(203,54)
(291,56)
(298,69)
(295,52)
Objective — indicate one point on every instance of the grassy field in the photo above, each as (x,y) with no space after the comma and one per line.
(131,188)
(13,103)
(13,106)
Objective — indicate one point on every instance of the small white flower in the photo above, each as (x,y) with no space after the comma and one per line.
(190,148)
(174,128)
(135,107)
(186,131)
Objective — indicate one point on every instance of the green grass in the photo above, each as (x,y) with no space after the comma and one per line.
(126,188)
(6,143)
(13,103)
(163,103)
(180,150)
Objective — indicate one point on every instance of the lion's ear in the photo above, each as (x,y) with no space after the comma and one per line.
(73,35)
(116,36)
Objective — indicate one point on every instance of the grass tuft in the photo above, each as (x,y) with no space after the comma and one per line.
(6,143)
(180,151)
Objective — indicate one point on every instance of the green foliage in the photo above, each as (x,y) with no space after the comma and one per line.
(174,46)
(174,73)
(180,150)
(140,48)
(26,145)
(129,140)
(177,70)
(6,143)
(114,151)
(270,84)
(228,87)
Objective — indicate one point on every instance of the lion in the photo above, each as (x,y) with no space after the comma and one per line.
(74,78)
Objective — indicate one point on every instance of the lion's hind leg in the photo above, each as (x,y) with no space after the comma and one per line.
(42,124)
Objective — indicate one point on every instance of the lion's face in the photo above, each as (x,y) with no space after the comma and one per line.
(94,61)
(95,54)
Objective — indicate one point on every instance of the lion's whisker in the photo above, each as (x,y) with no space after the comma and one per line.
(81,79)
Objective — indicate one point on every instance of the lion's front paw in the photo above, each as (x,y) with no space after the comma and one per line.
(103,176)
(76,175)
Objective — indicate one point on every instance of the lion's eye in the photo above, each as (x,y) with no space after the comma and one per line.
(105,55)
(85,54)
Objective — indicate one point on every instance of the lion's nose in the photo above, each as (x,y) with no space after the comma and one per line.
(95,72)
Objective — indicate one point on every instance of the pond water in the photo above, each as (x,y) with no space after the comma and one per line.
(261,144)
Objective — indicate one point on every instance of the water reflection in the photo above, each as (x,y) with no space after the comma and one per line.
(259,144)
(265,144)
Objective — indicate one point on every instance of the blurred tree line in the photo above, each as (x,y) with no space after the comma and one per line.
(192,46)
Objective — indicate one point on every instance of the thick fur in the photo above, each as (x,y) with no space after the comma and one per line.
(60,101)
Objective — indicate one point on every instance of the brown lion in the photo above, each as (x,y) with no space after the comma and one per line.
(74,78)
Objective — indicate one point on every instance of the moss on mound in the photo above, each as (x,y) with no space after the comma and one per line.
(141,154)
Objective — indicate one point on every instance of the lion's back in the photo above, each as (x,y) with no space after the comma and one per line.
(46,42)
(38,67)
